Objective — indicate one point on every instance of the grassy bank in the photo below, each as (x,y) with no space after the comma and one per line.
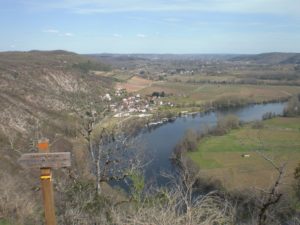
(220,157)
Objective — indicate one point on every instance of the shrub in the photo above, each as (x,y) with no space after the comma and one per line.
(179,208)
(225,124)
(91,65)
(268,115)
(297,178)
(17,205)
(293,107)
(188,143)
(258,125)
(78,203)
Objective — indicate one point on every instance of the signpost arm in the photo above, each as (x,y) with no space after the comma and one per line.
(47,189)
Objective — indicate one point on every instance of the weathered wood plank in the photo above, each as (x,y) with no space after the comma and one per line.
(45,160)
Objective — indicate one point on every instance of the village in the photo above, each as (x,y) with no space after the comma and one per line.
(124,104)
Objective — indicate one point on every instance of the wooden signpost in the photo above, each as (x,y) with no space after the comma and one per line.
(46,161)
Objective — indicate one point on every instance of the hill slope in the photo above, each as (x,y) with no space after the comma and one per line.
(270,58)
(39,88)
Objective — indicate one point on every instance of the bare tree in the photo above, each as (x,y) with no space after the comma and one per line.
(111,149)
(12,137)
(269,198)
(272,196)
(178,205)
(116,155)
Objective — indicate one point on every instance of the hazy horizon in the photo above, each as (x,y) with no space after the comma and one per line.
(144,53)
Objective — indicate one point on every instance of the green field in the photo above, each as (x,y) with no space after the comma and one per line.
(220,157)
(4,222)
(187,95)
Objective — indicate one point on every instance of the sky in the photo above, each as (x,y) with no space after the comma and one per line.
(152,26)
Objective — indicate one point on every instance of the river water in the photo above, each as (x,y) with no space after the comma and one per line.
(160,141)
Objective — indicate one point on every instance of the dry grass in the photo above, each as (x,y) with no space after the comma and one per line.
(135,84)
(209,210)
(17,204)
(203,93)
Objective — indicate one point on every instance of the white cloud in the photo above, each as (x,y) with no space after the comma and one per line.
(68,34)
(141,35)
(12,46)
(51,31)
(172,20)
(117,35)
(57,32)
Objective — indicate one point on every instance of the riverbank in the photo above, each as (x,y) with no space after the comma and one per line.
(235,158)
(166,116)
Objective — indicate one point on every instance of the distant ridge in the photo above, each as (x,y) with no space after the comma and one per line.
(54,52)
(44,52)
(270,58)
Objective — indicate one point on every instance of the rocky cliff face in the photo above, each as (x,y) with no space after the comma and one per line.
(45,87)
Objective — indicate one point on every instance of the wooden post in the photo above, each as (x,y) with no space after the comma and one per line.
(45,161)
(47,188)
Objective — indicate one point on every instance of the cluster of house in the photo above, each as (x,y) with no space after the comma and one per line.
(134,104)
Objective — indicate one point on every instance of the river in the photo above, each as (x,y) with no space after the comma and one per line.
(160,142)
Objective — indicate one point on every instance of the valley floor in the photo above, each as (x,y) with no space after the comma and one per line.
(223,157)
